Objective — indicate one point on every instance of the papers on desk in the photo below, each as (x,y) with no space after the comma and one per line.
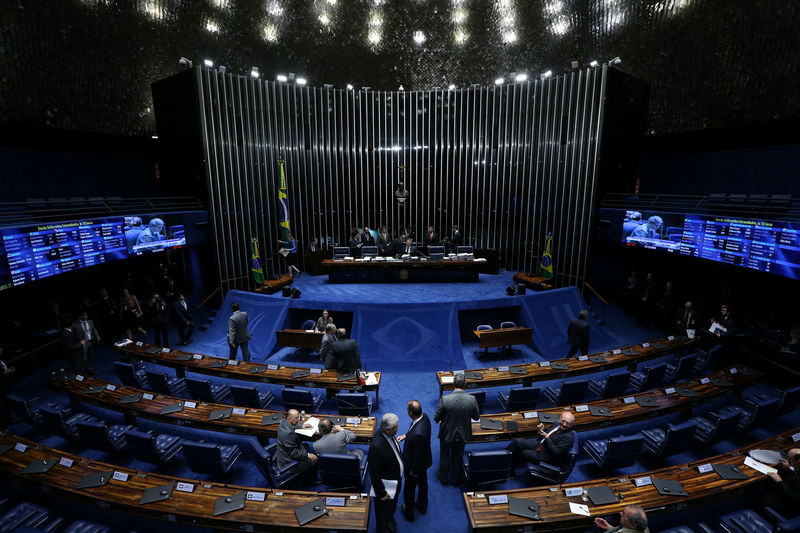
(770,457)
(309,432)
(447,379)
(309,331)
(389,484)
(579,508)
(372,379)
(122,343)
(761,467)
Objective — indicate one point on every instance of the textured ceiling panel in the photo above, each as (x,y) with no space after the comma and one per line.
(88,64)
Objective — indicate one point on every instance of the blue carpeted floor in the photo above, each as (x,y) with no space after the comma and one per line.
(408,332)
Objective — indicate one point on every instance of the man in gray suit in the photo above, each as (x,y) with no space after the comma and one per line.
(335,439)
(328,338)
(455,414)
(238,335)
(291,449)
(85,338)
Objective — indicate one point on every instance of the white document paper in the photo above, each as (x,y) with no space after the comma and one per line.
(761,467)
(389,484)
(579,508)
(309,432)
(715,327)
(447,379)
(372,379)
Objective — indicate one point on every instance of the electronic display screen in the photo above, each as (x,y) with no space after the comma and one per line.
(653,230)
(146,234)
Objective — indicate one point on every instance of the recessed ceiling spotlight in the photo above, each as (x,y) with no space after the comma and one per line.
(327,86)
(521,77)
(349,86)
(222,69)
(451,87)
(186,62)
(419,37)
(401,89)
(300,81)
(594,64)
(546,74)
(254,72)
(281,78)
(615,61)
(208,63)
(499,81)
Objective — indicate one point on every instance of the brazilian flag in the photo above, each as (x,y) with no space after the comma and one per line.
(546,265)
(255,267)
(283,205)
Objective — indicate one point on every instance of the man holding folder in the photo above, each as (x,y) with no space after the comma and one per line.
(385,471)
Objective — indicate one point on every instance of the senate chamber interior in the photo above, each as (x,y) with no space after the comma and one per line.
(381,265)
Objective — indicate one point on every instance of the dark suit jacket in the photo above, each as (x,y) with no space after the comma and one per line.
(367,240)
(395,246)
(289,446)
(455,240)
(325,355)
(159,313)
(383,243)
(687,321)
(556,447)
(80,335)
(345,351)
(455,414)
(417,447)
(183,314)
(578,332)
(412,252)
(431,239)
(382,464)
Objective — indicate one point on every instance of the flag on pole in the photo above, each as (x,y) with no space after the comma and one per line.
(255,267)
(283,205)
(546,264)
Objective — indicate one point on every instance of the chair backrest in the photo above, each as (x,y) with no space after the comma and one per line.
(789,400)
(143,446)
(570,460)
(654,375)
(480,397)
(725,425)
(158,382)
(126,373)
(572,391)
(488,466)
(53,417)
(764,412)
(435,250)
(95,435)
(23,409)
(622,451)
(464,250)
(200,389)
(708,360)
(297,399)
(677,438)
(616,384)
(522,398)
(369,251)
(484,327)
(203,457)
(340,470)
(340,252)
(352,403)
(508,324)
(685,366)
(308,324)
(245,396)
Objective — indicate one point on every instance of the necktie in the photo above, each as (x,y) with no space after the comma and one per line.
(540,447)
(86,330)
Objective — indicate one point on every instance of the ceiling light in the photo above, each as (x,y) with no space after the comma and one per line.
(520,77)
(281,78)
(349,86)
(499,81)
(374,37)
(222,69)
(575,65)
(366,88)
(594,63)
(184,61)
(509,36)
(212,26)
(208,63)
(615,61)
(327,86)
(451,87)
(546,74)
(401,89)
(254,72)
(270,33)
(419,37)
(300,81)
(324,19)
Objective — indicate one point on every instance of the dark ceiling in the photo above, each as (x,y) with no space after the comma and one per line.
(88,64)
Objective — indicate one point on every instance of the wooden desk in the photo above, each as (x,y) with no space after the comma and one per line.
(299,338)
(275,513)
(623,413)
(274,285)
(537,283)
(491,338)
(494,377)
(248,423)
(402,271)
(554,505)
(261,372)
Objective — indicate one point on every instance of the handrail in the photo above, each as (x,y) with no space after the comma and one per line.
(595,292)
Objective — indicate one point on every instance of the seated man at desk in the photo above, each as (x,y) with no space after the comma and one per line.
(335,439)
(551,446)
(784,494)
(291,449)
(409,248)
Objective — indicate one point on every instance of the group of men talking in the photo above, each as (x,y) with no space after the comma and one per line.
(405,243)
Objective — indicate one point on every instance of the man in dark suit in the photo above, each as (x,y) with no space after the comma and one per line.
(238,334)
(409,248)
(687,318)
(455,239)
(455,414)
(578,334)
(385,470)
(550,447)
(366,238)
(396,246)
(417,459)
(291,449)
(431,237)
(784,494)
(355,244)
(85,336)
(159,319)
(108,319)
(384,241)
(329,338)
(184,318)
(345,353)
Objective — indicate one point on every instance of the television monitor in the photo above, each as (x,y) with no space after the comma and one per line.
(662,231)
(146,234)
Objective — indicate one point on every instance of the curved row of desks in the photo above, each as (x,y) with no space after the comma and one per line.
(191,501)
(262,423)
(219,367)
(625,409)
(504,376)
(554,505)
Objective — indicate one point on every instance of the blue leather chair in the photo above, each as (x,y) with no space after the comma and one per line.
(487,467)
(353,404)
(508,349)
(342,470)
(210,458)
(302,400)
(129,375)
(84,526)
(716,426)
(151,448)
(699,527)
(611,386)
(203,390)
(262,458)
(616,452)
(649,378)
(519,399)
(744,521)
(708,360)
(545,473)
(163,384)
(251,397)
(680,369)
(483,327)
(61,421)
(675,438)
(98,435)
(568,393)
(369,251)
(787,399)
(308,324)
(24,409)
(24,514)
(480,397)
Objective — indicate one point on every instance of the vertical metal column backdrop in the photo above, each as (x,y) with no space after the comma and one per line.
(508,164)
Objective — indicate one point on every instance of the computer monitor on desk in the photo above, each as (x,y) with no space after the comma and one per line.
(340,252)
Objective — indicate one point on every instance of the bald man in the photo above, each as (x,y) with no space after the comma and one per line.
(784,494)
(291,449)
(632,519)
(417,458)
(551,446)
